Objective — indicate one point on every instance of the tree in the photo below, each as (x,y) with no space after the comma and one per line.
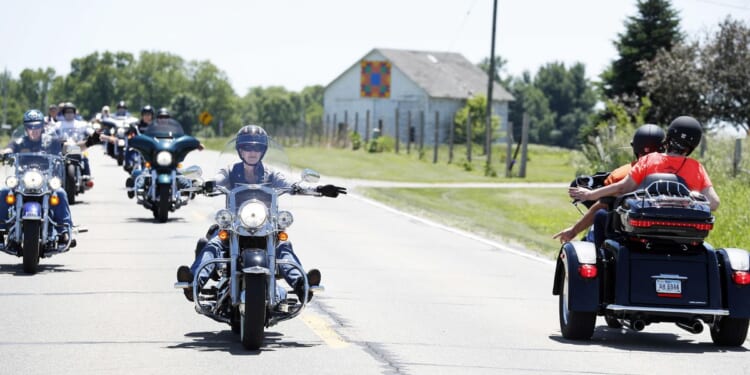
(655,27)
(185,109)
(476,110)
(530,100)
(677,84)
(500,64)
(211,86)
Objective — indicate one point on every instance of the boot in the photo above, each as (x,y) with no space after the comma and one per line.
(313,277)
(184,275)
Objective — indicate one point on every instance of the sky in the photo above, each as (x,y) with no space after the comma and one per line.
(299,43)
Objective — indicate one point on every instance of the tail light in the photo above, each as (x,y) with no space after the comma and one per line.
(741,277)
(587,271)
(89,184)
(642,223)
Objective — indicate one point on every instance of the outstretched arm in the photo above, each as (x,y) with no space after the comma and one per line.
(623,186)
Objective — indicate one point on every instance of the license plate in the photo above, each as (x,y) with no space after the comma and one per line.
(668,286)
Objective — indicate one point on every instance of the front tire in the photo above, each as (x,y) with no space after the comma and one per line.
(729,331)
(31,245)
(162,207)
(70,183)
(253,320)
(574,325)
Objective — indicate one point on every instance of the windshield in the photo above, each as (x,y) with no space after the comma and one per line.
(44,140)
(165,128)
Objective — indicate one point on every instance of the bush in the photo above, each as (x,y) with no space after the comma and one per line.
(356,140)
(381,144)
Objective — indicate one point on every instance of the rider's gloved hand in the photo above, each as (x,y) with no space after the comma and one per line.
(332,191)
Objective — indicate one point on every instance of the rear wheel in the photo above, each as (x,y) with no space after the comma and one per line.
(612,322)
(70,183)
(31,245)
(162,207)
(574,325)
(253,320)
(729,331)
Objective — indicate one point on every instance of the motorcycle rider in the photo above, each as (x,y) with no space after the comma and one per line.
(34,141)
(122,109)
(683,136)
(51,117)
(70,125)
(647,139)
(251,144)
(131,155)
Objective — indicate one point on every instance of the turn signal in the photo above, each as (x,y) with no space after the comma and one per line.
(587,271)
(741,277)
(283,236)
(148,165)
(54,200)
(223,235)
(179,165)
(10,199)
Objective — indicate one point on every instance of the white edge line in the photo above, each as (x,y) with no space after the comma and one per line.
(453,230)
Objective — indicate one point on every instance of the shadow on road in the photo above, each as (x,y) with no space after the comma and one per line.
(647,342)
(230,342)
(151,220)
(17,269)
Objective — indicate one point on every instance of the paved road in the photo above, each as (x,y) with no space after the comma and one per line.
(404,296)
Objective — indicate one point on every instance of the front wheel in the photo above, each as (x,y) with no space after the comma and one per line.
(162,207)
(730,331)
(253,319)
(31,245)
(70,183)
(574,325)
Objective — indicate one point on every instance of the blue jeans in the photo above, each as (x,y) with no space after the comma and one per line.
(600,222)
(85,167)
(59,214)
(215,247)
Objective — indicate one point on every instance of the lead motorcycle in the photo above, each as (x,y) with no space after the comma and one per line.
(163,185)
(32,180)
(243,290)
(655,266)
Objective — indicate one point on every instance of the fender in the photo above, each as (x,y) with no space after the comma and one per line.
(583,294)
(32,211)
(738,296)
(255,261)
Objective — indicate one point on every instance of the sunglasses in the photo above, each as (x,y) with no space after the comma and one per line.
(252,147)
(33,127)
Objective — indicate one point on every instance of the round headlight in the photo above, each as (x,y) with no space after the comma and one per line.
(285,219)
(164,158)
(121,132)
(224,218)
(253,214)
(55,183)
(11,182)
(32,180)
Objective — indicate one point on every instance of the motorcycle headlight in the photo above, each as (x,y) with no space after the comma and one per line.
(55,183)
(285,219)
(224,218)
(11,182)
(33,180)
(120,132)
(164,158)
(253,214)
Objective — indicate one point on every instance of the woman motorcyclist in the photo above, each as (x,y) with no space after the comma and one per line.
(683,136)
(251,146)
(33,141)
(70,125)
(51,115)
(647,139)
(147,116)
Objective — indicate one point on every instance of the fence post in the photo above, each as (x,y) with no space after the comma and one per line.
(469,137)
(410,136)
(397,131)
(421,130)
(437,125)
(737,157)
(524,144)
(367,127)
(509,149)
(451,135)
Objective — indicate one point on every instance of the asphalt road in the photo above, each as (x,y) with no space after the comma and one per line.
(403,296)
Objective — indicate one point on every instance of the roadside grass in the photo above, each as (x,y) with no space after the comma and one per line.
(524,217)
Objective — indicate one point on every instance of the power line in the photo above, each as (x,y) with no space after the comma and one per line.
(461,26)
(713,2)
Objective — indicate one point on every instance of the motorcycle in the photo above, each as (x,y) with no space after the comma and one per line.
(116,128)
(243,290)
(163,185)
(32,183)
(653,267)
(75,182)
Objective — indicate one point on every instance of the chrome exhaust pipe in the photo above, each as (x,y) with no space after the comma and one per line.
(636,325)
(694,326)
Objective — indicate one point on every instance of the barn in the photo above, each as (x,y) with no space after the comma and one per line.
(411,91)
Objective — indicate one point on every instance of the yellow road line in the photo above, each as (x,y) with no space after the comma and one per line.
(323,330)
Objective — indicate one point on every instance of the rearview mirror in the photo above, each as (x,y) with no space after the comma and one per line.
(311,176)
(192,171)
(209,186)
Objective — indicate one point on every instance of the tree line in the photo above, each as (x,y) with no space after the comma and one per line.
(160,79)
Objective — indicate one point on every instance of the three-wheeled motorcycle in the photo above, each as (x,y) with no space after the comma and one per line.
(655,267)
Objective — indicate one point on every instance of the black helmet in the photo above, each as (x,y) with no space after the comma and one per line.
(684,135)
(147,109)
(163,113)
(647,139)
(66,106)
(33,118)
(249,136)
(121,104)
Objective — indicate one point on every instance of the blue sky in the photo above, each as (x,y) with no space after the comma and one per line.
(297,43)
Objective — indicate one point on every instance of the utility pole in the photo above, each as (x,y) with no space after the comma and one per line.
(491,75)
(5,96)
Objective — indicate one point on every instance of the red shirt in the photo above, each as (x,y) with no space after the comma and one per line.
(618,174)
(689,169)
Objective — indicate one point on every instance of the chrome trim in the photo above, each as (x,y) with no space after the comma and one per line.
(257,270)
(739,259)
(667,310)
(669,276)
(585,251)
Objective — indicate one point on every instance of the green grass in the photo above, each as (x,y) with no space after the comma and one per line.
(528,217)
